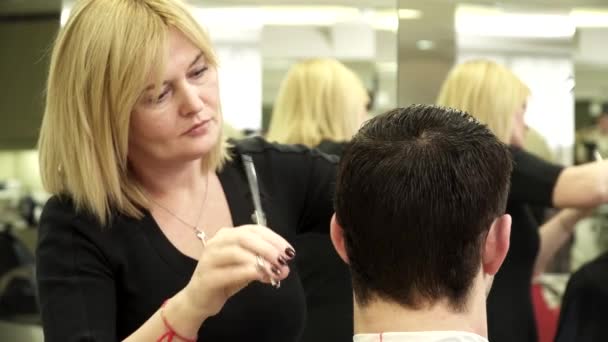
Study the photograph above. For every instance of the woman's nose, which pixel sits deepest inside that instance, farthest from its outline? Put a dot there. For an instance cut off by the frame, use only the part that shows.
(192, 103)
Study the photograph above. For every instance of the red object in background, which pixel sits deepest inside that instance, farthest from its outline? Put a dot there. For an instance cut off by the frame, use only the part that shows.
(546, 317)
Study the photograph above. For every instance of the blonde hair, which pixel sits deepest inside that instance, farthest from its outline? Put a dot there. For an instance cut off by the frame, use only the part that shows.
(100, 64)
(488, 91)
(318, 99)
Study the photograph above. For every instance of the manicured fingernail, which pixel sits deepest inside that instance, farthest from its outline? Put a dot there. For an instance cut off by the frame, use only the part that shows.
(282, 261)
(290, 252)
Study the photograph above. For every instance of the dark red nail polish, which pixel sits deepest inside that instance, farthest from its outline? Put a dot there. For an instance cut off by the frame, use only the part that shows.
(290, 252)
(282, 261)
(275, 271)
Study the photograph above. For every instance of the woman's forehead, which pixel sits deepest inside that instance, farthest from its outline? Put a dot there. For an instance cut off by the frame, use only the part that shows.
(180, 54)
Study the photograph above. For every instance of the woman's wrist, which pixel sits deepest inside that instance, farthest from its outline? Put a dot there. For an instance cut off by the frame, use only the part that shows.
(182, 315)
(570, 218)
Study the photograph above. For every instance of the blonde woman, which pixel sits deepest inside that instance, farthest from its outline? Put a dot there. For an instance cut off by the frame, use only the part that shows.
(321, 103)
(497, 97)
(150, 234)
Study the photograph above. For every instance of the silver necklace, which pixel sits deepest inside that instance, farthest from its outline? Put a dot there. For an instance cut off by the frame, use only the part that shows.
(200, 234)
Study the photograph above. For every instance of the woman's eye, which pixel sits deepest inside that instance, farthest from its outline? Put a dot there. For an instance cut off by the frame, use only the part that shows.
(162, 96)
(199, 72)
(152, 100)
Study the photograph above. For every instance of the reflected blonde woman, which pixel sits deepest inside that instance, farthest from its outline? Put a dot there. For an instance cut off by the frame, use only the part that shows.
(321, 103)
(492, 93)
(497, 97)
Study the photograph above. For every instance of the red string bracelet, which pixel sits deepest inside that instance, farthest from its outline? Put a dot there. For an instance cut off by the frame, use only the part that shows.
(171, 333)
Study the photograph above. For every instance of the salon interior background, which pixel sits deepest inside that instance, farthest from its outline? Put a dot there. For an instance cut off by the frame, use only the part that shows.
(401, 49)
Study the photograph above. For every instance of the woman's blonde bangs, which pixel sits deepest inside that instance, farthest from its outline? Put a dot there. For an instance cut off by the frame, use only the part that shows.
(101, 62)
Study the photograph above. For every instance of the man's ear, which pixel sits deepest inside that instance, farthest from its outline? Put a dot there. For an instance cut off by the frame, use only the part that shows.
(496, 246)
(337, 238)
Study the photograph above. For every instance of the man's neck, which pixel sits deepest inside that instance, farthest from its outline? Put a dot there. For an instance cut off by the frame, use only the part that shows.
(382, 316)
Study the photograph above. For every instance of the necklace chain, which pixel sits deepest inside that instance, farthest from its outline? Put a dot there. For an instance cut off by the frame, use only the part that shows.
(199, 233)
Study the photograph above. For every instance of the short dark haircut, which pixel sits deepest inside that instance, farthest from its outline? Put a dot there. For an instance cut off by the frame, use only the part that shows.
(417, 191)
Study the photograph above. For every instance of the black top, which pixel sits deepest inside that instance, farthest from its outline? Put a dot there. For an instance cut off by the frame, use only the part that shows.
(584, 311)
(327, 285)
(510, 311)
(102, 283)
(326, 281)
(331, 147)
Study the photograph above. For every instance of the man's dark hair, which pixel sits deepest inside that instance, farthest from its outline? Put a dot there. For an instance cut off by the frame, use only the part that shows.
(417, 191)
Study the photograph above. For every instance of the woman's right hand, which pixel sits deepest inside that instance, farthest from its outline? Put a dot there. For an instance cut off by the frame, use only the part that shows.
(229, 262)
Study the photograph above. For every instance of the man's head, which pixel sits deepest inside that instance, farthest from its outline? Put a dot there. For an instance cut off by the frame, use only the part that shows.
(420, 201)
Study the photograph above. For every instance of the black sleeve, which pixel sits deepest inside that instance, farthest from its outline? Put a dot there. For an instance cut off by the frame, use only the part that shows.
(75, 283)
(320, 187)
(533, 179)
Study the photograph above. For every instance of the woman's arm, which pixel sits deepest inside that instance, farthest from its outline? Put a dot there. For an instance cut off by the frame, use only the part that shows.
(74, 279)
(537, 182)
(554, 233)
(179, 313)
(582, 186)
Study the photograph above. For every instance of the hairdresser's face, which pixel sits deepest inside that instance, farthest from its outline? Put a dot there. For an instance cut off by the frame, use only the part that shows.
(518, 132)
(180, 120)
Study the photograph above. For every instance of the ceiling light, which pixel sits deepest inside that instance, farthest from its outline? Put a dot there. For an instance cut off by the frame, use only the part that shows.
(589, 17)
(425, 44)
(290, 16)
(276, 15)
(383, 20)
(471, 20)
(408, 13)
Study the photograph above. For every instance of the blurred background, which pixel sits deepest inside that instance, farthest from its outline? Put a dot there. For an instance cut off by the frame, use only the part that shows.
(402, 50)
